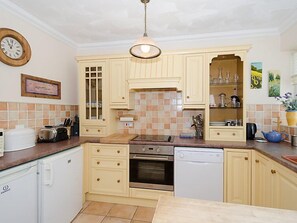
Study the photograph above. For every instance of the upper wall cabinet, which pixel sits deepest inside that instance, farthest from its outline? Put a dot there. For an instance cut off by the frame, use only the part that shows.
(194, 82)
(165, 71)
(120, 97)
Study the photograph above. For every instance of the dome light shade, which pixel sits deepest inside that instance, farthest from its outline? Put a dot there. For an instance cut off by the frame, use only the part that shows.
(145, 47)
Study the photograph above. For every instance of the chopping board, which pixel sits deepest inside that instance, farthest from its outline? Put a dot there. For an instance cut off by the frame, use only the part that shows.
(118, 138)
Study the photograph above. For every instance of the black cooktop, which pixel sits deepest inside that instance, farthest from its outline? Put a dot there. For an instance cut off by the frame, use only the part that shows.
(154, 138)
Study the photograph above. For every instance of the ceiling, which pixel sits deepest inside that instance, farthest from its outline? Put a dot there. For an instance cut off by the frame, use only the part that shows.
(84, 22)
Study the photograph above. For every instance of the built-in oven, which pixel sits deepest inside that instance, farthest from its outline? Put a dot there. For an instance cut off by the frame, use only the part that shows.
(151, 166)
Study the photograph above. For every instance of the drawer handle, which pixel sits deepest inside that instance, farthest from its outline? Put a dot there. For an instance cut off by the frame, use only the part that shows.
(273, 171)
(246, 158)
(123, 97)
(233, 134)
(257, 161)
(98, 130)
(103, 120)
(118, 164)
(87, 130)
(218, 133)
(98, 179)
(188, 96)
(118, 181)
(118, 151)
(98, 162)
(98, 150)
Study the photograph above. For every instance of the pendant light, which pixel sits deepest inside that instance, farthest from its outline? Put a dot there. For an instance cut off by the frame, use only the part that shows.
(145, 47)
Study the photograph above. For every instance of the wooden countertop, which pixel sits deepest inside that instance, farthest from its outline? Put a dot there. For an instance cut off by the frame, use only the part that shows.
(184, 210)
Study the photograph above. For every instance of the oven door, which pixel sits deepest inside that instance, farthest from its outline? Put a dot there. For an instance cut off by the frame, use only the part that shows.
(151, 171)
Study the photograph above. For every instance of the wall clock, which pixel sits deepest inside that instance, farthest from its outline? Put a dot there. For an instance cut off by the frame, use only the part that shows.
(15, 49)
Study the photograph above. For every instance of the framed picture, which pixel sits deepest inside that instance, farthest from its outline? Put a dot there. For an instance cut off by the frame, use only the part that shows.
(256, 75)
(274, 83)
(40, 87)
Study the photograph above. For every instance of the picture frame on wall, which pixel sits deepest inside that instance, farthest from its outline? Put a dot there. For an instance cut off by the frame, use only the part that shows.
(274, 80)
(256, 75)
(38, 87)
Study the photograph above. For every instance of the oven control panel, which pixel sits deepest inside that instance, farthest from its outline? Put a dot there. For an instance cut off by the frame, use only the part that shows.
(152, 149)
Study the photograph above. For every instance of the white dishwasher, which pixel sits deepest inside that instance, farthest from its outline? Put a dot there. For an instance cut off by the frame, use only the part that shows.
(198, 173)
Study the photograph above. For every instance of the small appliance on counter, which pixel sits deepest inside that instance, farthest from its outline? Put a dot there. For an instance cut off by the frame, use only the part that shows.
(1, 142)
(19, 138)
(251, 129)
(52, 134)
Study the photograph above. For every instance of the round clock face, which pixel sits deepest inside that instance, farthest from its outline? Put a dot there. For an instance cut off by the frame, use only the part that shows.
(11, 47)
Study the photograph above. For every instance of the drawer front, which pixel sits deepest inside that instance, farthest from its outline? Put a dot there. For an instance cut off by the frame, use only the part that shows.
(89, 130)
(226, 134)
(148, 194)
(110, 150)
(108, 163)
(109, 182)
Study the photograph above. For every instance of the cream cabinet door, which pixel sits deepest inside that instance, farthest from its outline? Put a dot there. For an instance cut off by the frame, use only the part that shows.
(237, 177)
(194, 82)
(120, 97)
(284, 187)
(262, 180)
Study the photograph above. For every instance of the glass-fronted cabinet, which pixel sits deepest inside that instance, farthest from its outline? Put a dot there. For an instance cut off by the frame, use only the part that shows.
(226, 105)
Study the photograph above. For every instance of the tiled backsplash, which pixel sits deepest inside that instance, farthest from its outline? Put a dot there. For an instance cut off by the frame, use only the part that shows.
(159, 113)
(34, 115)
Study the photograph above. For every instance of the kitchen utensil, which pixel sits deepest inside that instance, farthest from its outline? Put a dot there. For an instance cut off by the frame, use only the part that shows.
(251, 129)
(274, 136)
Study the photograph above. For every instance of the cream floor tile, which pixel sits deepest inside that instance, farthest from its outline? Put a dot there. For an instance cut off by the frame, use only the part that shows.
(144, 214)
(85, 205)
(88, 218)
(136, 221)
(115, 220)
(122, 211)
(98, 208)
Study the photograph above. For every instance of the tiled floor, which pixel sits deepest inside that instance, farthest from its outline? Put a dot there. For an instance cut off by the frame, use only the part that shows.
(101, 212)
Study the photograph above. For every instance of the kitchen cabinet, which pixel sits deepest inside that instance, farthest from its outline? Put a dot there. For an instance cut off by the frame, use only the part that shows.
(237, 176)
(120, 96)
(225, 108)
(108, 169)
(96, 119)
(273, 184)
(194, 82)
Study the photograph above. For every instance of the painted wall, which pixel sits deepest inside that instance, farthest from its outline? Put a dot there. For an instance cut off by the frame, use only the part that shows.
(51, 59)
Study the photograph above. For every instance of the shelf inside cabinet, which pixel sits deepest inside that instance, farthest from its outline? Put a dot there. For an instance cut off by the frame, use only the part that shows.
(231, 84)
(225, 107)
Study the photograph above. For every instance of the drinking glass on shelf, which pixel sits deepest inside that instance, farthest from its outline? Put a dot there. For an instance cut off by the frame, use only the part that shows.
(236, 78)
(227, 78)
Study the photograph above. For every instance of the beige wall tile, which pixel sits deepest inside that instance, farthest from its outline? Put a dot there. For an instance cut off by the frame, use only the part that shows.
(13, 106)
(3, 106)
(3, 115)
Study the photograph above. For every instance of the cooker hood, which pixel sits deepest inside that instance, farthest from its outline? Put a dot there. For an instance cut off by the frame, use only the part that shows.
(155, 83)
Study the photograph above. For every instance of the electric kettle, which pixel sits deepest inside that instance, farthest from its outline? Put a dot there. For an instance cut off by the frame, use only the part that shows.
(251, 129)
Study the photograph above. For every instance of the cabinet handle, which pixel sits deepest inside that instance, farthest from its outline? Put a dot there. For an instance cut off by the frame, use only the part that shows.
(98, 130)
(218, 133)
(257, 161)
(98, 162)
(118, 181)
(118, 151)
(103, 119)
(188, 96)
(233, 134)
(246, 158)
(118, 164)
(123, 97)
(98, 150)
(98, 179)
(87, 130)
(273, 171)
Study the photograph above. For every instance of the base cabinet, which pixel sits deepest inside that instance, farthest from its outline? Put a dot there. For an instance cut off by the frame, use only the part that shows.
(237, 180)
(108, 164)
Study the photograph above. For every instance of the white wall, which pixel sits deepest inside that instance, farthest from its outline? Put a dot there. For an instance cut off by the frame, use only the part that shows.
(50, 59)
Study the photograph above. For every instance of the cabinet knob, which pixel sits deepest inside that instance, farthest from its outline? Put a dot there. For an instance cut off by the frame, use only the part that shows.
(103, 119)
(234, 134)
(218, 133)
(188, 96)
(118, 151)
(246, 158)
(98, 179)
(118, 164)
(98, 130)
(123, 97)
(118, 181)
(273, 171)
(257, 161)
(98, 150)
(87, 130)
(98, 162)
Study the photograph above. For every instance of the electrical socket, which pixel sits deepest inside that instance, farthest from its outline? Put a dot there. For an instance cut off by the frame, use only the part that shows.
(129, 124)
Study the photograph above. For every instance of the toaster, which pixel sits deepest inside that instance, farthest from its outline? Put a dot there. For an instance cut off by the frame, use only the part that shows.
(52, 134)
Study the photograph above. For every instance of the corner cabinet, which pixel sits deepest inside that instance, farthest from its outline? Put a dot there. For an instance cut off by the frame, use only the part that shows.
(94, 98)
(237, 176)
(194, 82)
(225, 108)
(120, 96)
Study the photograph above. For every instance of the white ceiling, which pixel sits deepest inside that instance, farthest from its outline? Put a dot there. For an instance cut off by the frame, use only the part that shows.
(85, 22)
